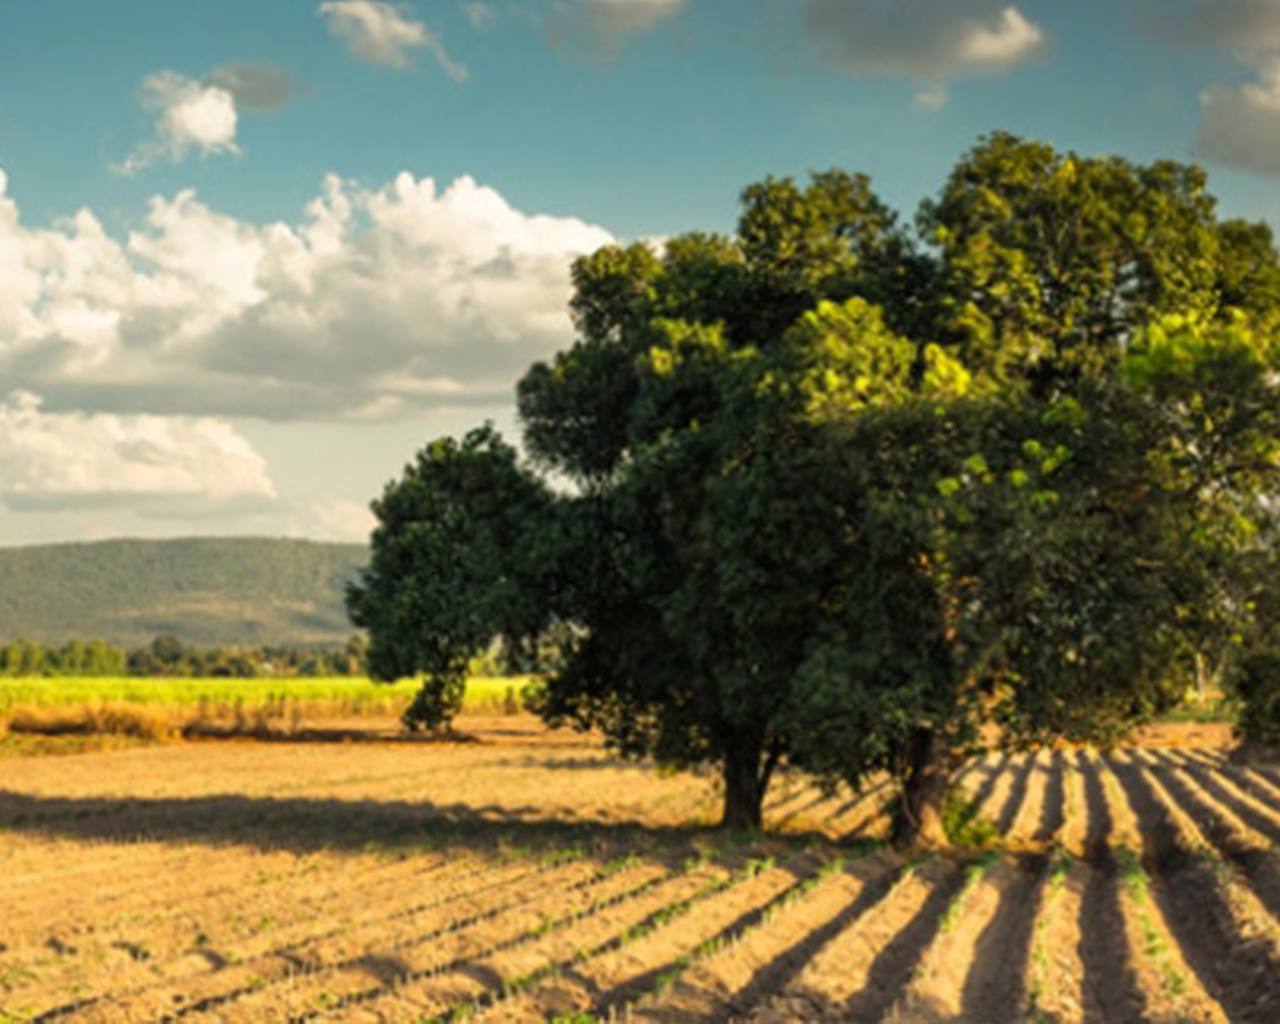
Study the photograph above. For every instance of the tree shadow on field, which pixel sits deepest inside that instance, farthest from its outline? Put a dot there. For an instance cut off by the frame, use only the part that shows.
(306, 825)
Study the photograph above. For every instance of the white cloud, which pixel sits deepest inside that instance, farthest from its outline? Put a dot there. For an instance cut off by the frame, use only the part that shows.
(51, 460)
(379, 304)
(1239, 126)
(189, 115)
(202, 116)
(340, 521)
(383, 33)
(927, 39)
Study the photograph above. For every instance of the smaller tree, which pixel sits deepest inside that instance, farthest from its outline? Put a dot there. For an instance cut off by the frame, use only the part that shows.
(461, 553)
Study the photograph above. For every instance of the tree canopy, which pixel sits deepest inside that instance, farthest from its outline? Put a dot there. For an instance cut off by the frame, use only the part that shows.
(847, 490)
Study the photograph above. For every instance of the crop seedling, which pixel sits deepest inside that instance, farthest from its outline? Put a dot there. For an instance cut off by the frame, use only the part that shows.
(973, 876)
(965, 828)
(1154, 944)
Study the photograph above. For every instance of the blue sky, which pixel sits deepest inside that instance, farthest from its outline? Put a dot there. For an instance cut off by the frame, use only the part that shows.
(253, 255)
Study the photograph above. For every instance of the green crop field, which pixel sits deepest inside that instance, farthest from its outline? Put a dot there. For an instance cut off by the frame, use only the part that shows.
(163, 708)
(352, 693)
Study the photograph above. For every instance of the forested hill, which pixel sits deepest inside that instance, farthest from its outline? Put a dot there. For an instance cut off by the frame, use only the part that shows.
(203, 591)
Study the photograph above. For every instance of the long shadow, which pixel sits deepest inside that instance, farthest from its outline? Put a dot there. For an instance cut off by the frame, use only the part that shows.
(994, 987)
(861, 796)
(983, 793)
(774, 977)
(1257, 864)
(893, 967)
(1053, 812)
(308, 825)
(1238, 972)
(1251, 816)
(585, 764)
(617, 999)
(1017, 795)
(1109, 977)
(213, 733)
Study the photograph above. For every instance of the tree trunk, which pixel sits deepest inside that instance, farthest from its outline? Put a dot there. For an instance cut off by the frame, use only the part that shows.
(921, 821)
(745, 784)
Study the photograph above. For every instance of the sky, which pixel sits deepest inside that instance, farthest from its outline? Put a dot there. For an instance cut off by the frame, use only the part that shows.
(254, 255)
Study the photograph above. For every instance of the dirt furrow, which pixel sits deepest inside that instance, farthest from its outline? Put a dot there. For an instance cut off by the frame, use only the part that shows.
(1261, 816)
(478, 981)
(1025, 825)
(679, 956)
(1263, 788)
(1074, 832)
(764, 962)
(1053, 980)
(1112, 992)
(1173, 990)
(1020, 770)
(1212, 971)
(1053, 808)
(1214, 817)
(1259, 866)
(414, 962)
(364, 950)
(217, 925)
(863, 815)
(259, 945)
(993, 796)
(974, 969)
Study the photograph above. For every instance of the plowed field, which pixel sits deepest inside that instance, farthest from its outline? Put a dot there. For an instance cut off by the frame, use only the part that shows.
(530, 877)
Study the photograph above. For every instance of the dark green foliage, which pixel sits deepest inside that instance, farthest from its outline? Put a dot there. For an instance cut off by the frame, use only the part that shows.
(1049, 260)
(464, 550)
(847, 497)
(1253, 661)
(220, 591)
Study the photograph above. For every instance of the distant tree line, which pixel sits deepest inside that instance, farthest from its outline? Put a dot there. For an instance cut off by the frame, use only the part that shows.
(167, 656)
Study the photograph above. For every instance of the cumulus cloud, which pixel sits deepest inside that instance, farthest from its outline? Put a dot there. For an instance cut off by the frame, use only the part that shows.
(379, 304)
(933, 40)
(189, 116)
(1240, 125)
(202, 116)
(52, 460)
(383, 33)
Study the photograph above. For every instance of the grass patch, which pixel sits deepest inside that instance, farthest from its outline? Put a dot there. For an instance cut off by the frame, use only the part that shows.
(973, 875)
(965, 827)
(1218, 710)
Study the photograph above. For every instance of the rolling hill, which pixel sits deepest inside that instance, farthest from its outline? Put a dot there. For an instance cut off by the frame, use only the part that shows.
(203, 591)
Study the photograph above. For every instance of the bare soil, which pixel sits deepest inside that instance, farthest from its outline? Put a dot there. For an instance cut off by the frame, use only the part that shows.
(513, 874)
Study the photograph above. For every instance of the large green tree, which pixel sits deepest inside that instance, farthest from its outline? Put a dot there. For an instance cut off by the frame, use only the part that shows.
(843, 492)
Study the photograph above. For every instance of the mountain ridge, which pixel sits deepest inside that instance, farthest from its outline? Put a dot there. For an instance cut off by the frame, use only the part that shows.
(203, 590)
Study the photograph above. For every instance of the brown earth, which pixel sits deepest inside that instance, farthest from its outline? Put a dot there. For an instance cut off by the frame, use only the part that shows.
(520, 875)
